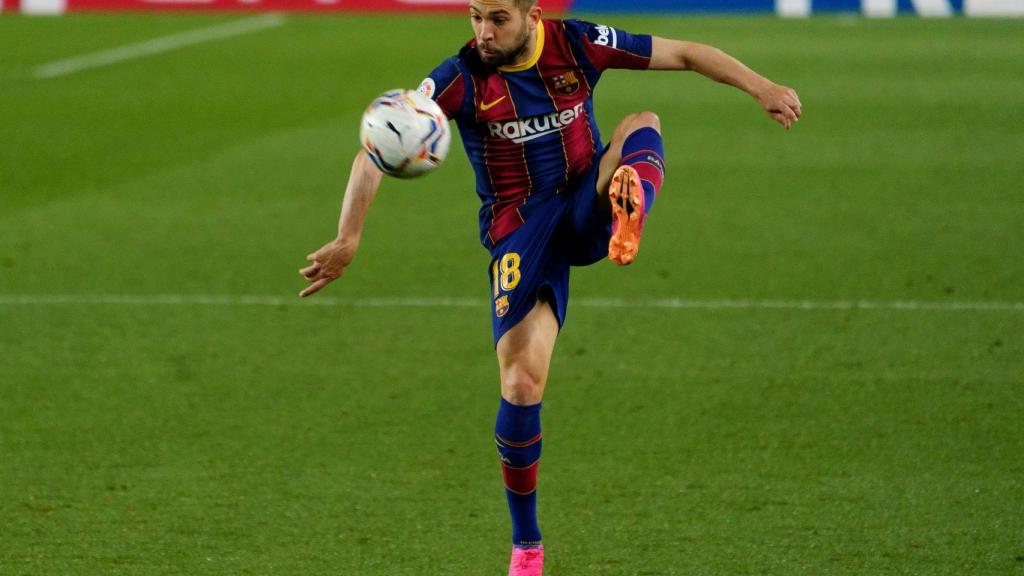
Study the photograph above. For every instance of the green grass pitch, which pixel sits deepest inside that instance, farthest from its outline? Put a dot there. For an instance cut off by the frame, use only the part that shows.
(297, 439)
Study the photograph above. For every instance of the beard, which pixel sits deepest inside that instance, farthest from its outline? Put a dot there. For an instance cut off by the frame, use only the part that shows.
(497, 57)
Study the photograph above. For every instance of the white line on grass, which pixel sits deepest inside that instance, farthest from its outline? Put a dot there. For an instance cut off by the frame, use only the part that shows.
(158, 45)
(437, 302)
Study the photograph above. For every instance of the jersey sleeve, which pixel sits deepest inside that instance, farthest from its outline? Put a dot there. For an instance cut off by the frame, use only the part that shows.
(607, 47)
(445, 85)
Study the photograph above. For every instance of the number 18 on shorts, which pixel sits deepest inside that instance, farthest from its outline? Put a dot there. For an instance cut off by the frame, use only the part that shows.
(505, 276)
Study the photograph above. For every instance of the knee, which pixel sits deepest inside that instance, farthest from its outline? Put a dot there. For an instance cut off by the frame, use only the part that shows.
(646, 119)
(520, 387)
(636, 121)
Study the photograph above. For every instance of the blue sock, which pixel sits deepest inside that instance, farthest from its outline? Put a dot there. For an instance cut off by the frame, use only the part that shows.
(517, 434)
(645, 152)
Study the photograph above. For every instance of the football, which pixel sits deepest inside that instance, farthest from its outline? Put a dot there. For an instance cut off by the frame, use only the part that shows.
(405, 133)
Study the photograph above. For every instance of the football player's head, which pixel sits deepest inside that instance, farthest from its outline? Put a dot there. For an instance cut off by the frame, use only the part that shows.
(502, 28)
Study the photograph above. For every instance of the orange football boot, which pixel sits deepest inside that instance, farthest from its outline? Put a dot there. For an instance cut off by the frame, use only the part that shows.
(627, 198)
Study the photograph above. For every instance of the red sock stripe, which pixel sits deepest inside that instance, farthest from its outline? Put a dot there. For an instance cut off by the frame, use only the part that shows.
(520, 481)
(649, 172)
(512, 444)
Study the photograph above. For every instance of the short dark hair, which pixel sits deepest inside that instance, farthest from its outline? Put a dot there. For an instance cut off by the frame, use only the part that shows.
(525, 5)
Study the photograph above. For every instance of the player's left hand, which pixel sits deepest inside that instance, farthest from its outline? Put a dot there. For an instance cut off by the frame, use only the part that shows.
(781, 103)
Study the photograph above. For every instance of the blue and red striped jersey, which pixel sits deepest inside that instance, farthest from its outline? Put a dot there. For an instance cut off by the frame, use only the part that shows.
(529, 130)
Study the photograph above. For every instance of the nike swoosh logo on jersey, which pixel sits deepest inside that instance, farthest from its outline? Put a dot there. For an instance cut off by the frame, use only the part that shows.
(485, 106)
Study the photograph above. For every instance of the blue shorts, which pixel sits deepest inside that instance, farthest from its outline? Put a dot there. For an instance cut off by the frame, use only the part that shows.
(562, 230)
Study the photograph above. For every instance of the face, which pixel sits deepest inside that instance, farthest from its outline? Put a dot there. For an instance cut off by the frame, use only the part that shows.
(501, 29)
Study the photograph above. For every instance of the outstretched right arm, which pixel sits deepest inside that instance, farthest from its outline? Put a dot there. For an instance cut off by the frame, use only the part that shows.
(329, 262)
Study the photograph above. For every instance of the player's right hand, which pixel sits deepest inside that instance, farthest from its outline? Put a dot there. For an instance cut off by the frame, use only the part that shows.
(781, 103)
(328, 264)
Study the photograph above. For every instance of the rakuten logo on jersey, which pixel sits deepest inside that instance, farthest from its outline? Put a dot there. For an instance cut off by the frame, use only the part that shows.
(527, 129)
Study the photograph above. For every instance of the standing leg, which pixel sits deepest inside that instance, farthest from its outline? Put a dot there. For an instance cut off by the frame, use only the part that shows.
(631, 175)
(524, 356)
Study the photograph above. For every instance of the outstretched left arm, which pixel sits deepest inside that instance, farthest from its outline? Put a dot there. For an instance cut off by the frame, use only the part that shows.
(780, 102)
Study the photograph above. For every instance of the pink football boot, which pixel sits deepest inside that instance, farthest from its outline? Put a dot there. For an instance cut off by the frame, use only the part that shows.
(526, 562)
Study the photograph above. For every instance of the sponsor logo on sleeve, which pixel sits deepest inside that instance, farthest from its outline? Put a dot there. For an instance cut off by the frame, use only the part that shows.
(427, 87)
(606, 36)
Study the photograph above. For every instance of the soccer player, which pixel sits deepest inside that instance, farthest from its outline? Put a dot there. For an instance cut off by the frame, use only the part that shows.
(554, 195)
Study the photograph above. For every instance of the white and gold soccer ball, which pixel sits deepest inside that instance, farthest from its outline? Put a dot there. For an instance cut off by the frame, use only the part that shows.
(405, 133)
